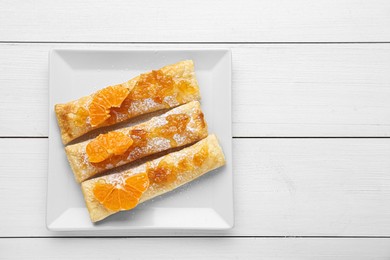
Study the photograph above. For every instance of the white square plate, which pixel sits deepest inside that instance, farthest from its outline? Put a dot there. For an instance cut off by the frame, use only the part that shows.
(206, 203)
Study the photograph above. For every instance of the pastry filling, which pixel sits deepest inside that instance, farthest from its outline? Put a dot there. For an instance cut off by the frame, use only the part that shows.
(176, 124)
(113, 103)
(157, 85)
(166, 173)
(125, 193)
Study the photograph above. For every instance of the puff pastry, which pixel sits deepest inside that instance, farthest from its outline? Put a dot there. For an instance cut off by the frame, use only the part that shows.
(185, 166)
(178, 127)
(167, 87)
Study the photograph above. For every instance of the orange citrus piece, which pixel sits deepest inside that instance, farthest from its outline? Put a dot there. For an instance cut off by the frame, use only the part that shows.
(106, 145)
(121, 196)
(104, 100)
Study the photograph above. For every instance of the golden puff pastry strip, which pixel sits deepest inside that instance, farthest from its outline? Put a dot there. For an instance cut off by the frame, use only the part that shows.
(167, 87)
(163, 175)
(178, 127)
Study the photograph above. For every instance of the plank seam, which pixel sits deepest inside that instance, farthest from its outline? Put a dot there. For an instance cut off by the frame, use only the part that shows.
(202, 237)
(195, 43)
(311, 137)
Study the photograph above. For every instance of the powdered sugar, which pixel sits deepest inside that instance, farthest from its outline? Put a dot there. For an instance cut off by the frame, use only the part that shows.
(119, 116)
(153, 145)
(115, 179)
(171, 101)
(158, 121)
(161, 143)
(141, 106)
(191, 126)
(180, 139)
(118, 179)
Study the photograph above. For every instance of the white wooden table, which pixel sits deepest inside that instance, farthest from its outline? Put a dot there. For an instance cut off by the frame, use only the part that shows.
(311, 123)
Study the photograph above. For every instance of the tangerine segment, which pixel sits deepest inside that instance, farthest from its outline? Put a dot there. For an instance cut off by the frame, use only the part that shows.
(122, 196)
(104, 100)
(106, 145)
(137, 184)
(102, 190)
(112, 201)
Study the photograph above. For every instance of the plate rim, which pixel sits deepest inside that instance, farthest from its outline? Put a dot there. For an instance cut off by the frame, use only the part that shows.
(226, 51)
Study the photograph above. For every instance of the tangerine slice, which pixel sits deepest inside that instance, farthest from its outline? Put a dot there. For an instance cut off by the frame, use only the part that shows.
(106, 145)
(121, 196)
(104, 100)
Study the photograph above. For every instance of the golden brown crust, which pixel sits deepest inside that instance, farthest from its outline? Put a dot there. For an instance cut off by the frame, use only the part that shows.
(66, 113)
(214, 160)
(61, 111)
(194, 130)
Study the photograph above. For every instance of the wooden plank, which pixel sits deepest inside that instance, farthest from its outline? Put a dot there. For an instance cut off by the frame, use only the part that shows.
(194, 21)
(189, 248)
(283, 187)
(24, 90)
(311, 90)
(278, 90)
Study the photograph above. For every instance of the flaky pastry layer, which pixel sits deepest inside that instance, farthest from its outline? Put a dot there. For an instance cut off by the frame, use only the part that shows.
(195, 129)
(214, 159)
(68, 114)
